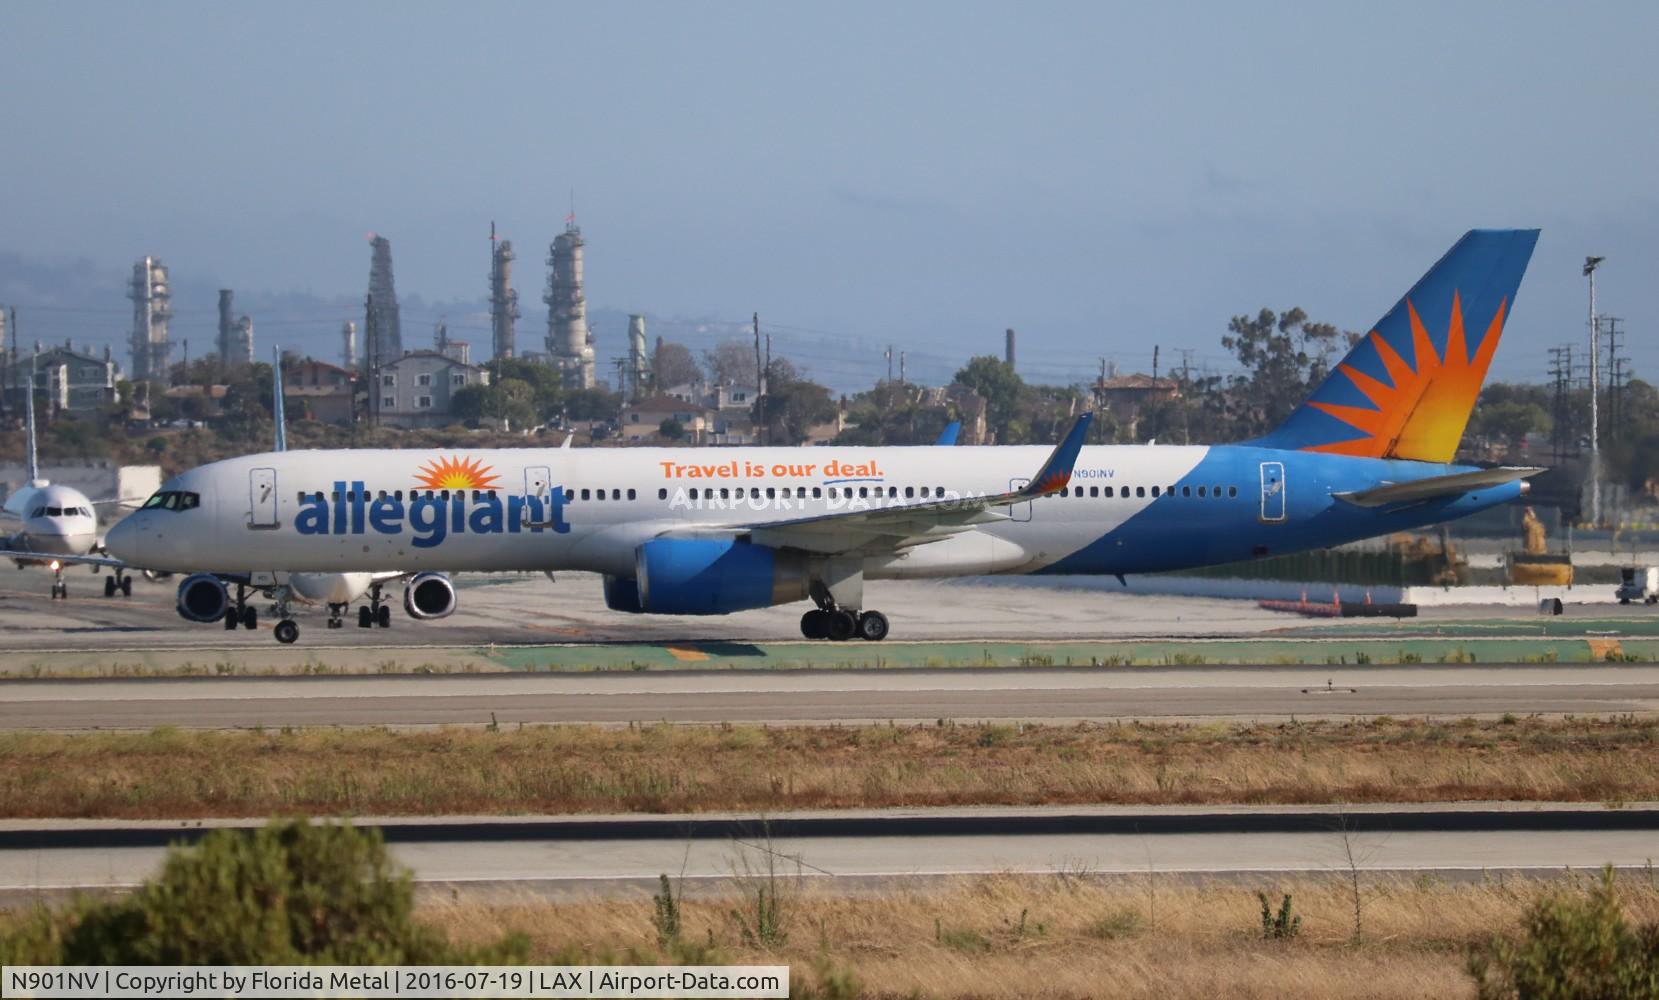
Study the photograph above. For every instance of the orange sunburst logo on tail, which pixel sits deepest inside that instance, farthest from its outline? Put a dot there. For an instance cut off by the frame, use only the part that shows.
(456, 474)
(1423, 413)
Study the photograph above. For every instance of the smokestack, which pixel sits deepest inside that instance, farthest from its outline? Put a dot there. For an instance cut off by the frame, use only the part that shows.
(383, 325)
(503, 299)
(638, 370)
(1008, 349)
(348, 345)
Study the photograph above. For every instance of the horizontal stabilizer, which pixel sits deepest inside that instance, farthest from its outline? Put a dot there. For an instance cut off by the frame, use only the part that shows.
(1435, 486)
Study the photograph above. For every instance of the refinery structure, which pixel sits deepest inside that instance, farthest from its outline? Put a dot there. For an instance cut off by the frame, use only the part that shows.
(569, 343)
(152, 308)
(378, 340)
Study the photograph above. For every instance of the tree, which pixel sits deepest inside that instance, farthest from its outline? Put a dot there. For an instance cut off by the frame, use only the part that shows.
(671, 429)
(1286, 357)
(592, 404)
(508, 402)
(290, 893)
(674, 365)
(732, 362)
(995, 380)
(792, 405)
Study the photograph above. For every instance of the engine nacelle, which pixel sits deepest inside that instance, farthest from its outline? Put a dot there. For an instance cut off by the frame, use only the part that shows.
(428, 596)
(203, 598)
(622, 594)
(697, 576)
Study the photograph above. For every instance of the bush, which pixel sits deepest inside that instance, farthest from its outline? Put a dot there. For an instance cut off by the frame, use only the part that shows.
(288, 894)
(1280, 926)
(1571, 946)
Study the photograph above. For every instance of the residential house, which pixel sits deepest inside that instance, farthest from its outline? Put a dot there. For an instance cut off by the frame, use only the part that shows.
(415, 390)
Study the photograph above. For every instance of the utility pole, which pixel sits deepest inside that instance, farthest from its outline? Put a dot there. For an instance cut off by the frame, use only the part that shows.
(901, 367)
(1615, 377)
(1561, 371)
(1590, 264)
(760, 385)
(889, 355)
(1154, 362)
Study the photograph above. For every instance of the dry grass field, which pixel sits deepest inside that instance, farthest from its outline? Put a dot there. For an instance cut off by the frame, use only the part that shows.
(169, 773)
(1059, 937)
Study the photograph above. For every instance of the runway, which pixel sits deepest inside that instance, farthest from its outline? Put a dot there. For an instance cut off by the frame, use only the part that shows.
(1055, 695)
(606, 853)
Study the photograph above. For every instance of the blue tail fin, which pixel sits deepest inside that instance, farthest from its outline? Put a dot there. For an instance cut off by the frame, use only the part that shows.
(1406, 390)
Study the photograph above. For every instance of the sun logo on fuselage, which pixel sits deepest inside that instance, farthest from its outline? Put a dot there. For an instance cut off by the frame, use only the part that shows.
(456, 474)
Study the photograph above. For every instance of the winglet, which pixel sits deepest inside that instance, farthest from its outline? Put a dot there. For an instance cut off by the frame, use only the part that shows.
(29, 418)
(947, 437)
(1055, 474)
(279, 416)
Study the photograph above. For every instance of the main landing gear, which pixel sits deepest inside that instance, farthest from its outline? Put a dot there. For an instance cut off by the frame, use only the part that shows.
(841, 624)
(377, 613)
(118, 582)
(241, 615)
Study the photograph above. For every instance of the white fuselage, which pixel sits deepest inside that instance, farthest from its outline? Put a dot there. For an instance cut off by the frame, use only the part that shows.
(326, 512)
(51, 520)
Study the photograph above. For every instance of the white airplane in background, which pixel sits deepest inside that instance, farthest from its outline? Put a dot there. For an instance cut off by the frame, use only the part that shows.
(702, 531)
(54, 526)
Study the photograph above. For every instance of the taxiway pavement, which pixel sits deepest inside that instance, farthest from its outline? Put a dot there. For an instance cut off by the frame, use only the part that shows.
(1262, 693)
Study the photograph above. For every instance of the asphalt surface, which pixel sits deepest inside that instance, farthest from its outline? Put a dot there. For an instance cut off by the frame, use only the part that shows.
(832, 696)
(609, 852)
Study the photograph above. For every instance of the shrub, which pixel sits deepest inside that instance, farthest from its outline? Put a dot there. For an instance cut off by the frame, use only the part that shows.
(289, 893)
(1280, 926)
(1571, 946)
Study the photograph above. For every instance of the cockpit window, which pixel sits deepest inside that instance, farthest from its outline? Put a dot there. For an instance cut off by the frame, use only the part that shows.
(38, 512)
(54, 512)
(173, 500)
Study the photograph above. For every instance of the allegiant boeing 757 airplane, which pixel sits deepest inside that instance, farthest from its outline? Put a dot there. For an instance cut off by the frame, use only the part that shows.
(704, 531)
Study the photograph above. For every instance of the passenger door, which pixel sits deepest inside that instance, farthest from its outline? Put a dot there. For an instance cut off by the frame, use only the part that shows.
(1273, 492)
(262, 498)
(1019, 511)
(538, 483)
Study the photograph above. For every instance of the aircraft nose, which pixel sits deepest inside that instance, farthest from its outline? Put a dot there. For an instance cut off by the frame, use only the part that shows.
(125, 539)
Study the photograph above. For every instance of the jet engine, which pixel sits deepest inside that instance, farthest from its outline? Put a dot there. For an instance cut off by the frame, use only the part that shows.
(714, 576)
(428, 596)
(203, 598)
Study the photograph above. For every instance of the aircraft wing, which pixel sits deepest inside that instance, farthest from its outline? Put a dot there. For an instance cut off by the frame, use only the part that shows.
(1435, 486)
(7, 551)
(887, 529)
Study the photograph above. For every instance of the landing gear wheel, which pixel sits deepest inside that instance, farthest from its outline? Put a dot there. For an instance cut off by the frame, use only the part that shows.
(814, 624)
(383, 616)
(250, 619)
(109, 586)
(231, 620)
(60, 591)
(365, 617)
(126, 586)
(840, 626)
(872, 626)
(286, 631)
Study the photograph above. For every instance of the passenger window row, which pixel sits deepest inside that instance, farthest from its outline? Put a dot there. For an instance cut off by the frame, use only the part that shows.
(1213, 492)
(802, 492)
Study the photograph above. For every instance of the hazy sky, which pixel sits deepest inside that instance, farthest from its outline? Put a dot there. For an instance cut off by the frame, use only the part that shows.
(1101, 177)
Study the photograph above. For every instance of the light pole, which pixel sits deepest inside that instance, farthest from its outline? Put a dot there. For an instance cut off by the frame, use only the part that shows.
(1590, 264)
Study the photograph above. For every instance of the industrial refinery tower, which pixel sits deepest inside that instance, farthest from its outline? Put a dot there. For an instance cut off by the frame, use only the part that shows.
(152, 307)
(569, 344)
(235, 344)
(382, 332)
(503, 299)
